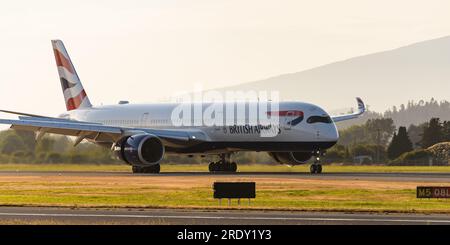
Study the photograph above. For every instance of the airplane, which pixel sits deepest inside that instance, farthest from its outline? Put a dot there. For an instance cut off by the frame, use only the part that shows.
(141, 134)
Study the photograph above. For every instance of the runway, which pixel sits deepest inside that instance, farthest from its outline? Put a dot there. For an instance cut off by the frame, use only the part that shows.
(35, 215)
(420, 177)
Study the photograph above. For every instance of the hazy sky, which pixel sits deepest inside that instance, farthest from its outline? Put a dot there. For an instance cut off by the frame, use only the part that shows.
(143, 51)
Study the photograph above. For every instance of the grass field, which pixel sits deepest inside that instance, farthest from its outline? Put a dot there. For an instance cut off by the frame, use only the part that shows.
(204, 168)
(288, 193)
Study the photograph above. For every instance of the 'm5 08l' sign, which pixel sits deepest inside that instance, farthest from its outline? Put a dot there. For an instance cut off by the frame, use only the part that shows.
(433, 192)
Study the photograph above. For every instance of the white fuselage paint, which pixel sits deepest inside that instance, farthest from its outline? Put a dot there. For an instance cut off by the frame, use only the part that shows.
(159, 115)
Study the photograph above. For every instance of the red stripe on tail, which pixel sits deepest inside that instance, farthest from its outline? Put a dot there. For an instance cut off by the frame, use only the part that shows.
(75, 102)
(61, 60)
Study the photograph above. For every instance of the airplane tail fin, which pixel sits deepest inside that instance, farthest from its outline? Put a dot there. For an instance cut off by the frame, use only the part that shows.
(74, 93)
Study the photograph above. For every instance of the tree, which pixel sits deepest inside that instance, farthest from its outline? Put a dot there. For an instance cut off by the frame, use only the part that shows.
(380, 130)
(404, 143)
(11, 142)
(446, 131)
(400, 144)
(375, 131)
(45, 145)
(28, 138)
(432, 133)
(415, 134)
(392, 148)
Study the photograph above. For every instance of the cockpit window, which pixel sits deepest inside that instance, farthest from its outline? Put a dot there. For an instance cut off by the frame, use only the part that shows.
(317, 119)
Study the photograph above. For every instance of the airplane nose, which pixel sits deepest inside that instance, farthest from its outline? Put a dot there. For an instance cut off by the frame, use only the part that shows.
(333, 133)
(336, 134)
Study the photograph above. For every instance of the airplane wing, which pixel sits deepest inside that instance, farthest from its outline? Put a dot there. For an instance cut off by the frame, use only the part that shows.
(24, 114)
(361, 110)
(101, 133)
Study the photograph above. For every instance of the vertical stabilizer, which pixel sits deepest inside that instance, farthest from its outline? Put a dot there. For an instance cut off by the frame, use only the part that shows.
(74, 93)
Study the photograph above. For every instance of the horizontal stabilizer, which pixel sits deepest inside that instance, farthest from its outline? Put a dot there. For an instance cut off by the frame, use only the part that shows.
(23, 114)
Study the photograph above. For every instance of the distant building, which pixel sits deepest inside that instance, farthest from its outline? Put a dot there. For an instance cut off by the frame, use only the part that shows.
(362, 159)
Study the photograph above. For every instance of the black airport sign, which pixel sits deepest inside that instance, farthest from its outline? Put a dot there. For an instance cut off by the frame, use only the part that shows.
(433, 192)
(234, 189)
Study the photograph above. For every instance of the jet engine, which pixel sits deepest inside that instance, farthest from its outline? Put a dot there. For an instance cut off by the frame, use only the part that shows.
(291, 158)
(140, 149)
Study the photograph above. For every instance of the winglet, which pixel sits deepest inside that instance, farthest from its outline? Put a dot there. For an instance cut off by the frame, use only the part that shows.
(361, 110)
(361, 106)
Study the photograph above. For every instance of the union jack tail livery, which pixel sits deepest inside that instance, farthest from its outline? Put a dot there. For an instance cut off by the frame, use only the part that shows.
(74, 93)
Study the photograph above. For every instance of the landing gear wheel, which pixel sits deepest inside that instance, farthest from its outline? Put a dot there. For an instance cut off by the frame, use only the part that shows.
(224, 165)
(136, 169)
(214, 167)
(316, 167)
(233, 167)
(154, 169)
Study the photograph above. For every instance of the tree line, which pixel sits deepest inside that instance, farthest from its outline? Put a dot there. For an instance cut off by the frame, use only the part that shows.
(414, 112)
(18, 146)
(378, 141)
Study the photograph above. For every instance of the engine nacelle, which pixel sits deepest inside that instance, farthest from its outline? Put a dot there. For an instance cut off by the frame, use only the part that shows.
(140, 149)
(291, 158)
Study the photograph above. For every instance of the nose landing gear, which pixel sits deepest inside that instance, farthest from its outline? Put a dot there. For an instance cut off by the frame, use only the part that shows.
(223, 165)
(316, 167)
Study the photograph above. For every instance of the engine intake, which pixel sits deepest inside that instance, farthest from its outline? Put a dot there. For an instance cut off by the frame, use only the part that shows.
(140, 149)
(291, 158)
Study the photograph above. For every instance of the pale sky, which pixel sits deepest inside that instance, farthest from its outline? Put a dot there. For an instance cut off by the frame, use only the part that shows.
(143, 51)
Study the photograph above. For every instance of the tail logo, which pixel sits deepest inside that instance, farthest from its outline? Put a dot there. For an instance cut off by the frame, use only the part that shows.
(74, 93)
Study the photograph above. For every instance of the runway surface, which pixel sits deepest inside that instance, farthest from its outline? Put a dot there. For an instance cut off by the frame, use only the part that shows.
(420, 177)
(34, 215)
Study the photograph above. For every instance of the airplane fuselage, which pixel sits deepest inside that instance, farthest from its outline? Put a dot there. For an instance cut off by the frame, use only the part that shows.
(295, 129)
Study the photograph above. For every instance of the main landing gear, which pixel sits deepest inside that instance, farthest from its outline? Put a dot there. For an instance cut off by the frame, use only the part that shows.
(316, 167)
(223, 165)
(153, 169)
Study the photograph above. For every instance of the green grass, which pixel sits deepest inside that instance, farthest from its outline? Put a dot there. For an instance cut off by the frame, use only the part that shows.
(195, 191)
(204, 168)
(330, 199)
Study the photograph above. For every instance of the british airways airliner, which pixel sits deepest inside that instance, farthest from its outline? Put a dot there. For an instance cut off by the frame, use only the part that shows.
(141, 134)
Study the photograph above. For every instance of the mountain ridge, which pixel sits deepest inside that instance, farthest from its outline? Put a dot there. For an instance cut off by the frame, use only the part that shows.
(413, 72)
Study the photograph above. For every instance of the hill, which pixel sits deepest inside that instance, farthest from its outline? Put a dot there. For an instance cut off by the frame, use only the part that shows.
(414, 72)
